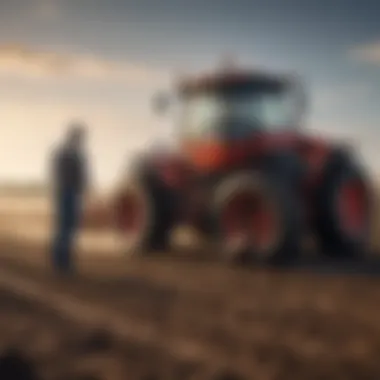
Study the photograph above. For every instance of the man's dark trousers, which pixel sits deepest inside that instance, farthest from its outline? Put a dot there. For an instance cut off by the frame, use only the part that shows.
(66, 224)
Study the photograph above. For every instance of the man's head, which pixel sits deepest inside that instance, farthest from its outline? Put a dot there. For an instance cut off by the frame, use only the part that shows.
(76, 134)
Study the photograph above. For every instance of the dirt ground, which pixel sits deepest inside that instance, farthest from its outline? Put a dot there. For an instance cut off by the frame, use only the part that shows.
(38, 344)
(236, 323)
(260, 324)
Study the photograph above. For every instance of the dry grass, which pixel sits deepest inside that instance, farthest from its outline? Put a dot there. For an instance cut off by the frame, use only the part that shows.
(97, 216)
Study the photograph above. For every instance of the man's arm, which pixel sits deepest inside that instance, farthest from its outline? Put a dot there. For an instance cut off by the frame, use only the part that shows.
(83, 175)
(54, 168)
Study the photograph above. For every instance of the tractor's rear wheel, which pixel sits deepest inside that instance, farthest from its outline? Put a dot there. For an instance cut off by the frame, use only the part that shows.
(343, 209)
(144, 217)
(256, 220)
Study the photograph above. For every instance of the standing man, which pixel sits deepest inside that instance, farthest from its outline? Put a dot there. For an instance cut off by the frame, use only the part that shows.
(70, 183)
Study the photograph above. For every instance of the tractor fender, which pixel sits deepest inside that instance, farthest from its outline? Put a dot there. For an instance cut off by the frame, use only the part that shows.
(340, 155)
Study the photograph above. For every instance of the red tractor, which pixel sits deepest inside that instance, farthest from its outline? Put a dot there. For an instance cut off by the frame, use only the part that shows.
(247, 176)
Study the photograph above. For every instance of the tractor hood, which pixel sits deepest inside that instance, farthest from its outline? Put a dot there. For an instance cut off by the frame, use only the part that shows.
(178, 168)
(217, 155)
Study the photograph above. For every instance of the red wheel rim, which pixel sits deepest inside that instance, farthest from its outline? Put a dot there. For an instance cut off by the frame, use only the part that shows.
(130, 214)
(353, 207)
(251, 217)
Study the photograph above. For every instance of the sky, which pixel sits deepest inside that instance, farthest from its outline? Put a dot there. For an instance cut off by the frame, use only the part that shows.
(101, 61)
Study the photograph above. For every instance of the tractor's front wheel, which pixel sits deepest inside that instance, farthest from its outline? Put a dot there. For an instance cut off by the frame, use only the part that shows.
(144, 217)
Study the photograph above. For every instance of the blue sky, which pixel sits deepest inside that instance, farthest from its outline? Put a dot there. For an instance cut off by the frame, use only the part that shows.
(115, 54)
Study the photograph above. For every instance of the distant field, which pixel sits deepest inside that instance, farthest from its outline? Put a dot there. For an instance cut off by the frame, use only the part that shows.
(23, 189)
(22, 211)
(29, 218)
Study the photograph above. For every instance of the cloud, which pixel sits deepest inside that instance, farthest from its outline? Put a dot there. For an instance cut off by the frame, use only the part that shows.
(337, 98)
(369, 53)
(47, 10)
(24, 61)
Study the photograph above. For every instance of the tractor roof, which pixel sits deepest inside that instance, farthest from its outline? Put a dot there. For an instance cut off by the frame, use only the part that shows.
(226, 78)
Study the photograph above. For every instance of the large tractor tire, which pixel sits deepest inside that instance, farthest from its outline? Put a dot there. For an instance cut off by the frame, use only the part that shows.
(144, 216)
(256, 219)
(343, 208)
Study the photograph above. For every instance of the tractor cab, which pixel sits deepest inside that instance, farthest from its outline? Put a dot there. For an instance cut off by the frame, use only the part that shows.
(221, 115)
(234, 106)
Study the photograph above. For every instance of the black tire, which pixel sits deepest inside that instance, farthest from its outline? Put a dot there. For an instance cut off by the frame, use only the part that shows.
(159, 216)
(286, 246)
(336, 241)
